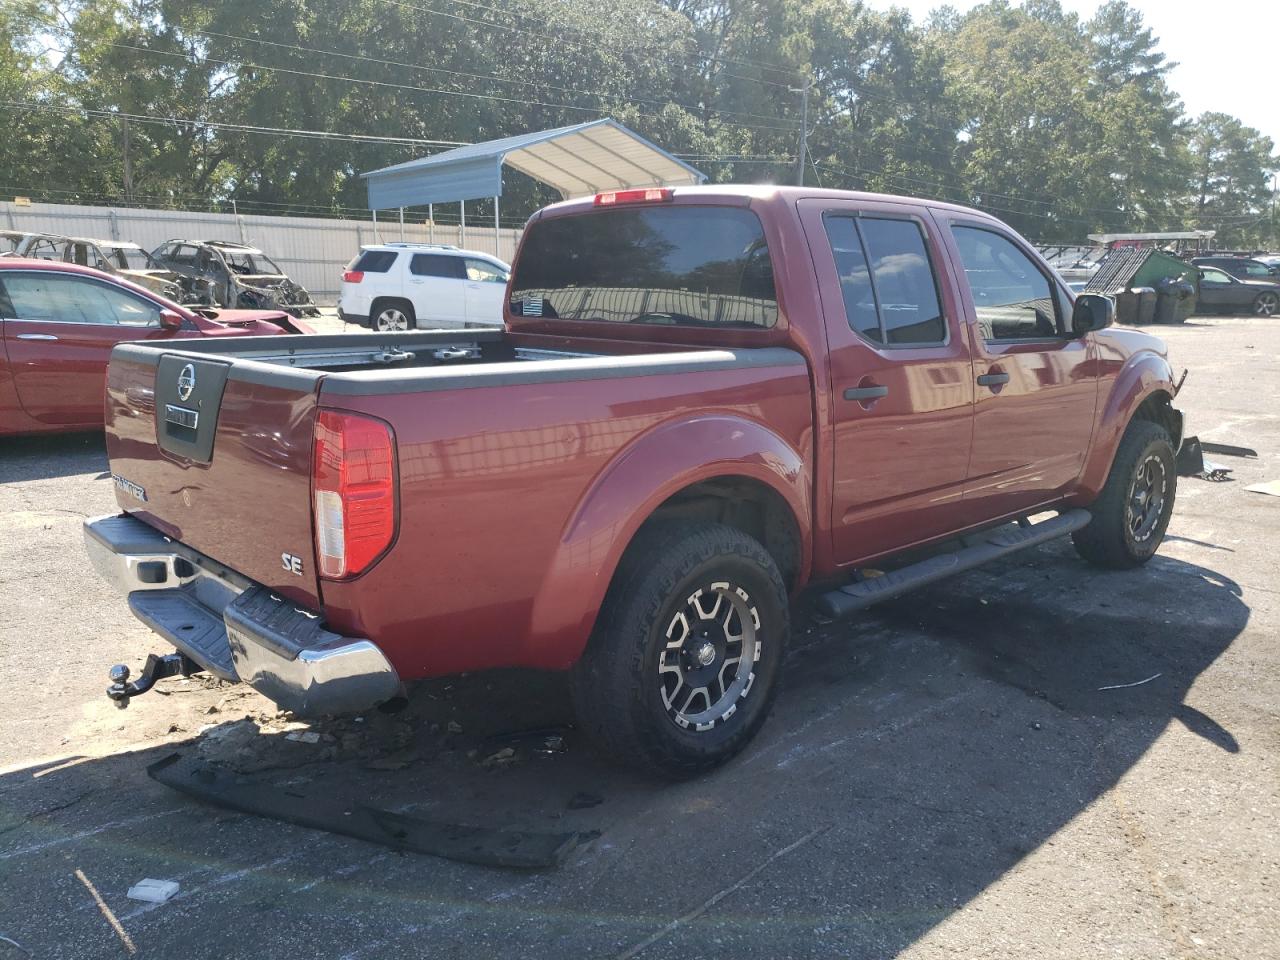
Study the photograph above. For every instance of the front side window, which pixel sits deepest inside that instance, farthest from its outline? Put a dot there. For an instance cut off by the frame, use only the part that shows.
(670, 265)
(46, 250)
(54, 298)
(1012, 299)
(436, 265)
(1214, 276)
(890, 295)
(482, 271)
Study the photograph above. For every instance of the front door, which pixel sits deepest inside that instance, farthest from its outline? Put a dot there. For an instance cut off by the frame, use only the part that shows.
(59, 330)
(1218, 290)
(486, 291)
(901, 375)
(1036, 383)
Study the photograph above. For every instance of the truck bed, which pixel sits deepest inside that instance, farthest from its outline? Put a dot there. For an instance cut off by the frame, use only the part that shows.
(500, 440)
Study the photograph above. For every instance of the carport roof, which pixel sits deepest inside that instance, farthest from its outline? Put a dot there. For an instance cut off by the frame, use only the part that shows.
(582, 159)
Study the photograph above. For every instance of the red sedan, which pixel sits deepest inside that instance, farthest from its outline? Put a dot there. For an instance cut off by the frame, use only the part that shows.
(58, 323)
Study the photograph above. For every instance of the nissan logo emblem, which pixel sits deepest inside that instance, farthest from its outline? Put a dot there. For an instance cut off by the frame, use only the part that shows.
(186, 382)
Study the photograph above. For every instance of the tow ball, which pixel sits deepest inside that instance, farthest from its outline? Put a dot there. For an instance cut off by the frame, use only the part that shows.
(156, 668)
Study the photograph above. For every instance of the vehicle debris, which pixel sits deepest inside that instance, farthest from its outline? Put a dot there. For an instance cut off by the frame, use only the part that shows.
(153, 891)
(486, 846)
(1271, 488)
(1125, 686)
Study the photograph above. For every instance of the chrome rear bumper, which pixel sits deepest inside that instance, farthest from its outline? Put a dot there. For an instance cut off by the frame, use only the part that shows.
(235, 628)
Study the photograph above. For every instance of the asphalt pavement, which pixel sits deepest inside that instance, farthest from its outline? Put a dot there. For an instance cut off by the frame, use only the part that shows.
(1037, 759)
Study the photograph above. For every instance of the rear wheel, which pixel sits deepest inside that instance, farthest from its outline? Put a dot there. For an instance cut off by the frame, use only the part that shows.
(1132, 513)
(392, 315)
(1266, 304)
(682, 668)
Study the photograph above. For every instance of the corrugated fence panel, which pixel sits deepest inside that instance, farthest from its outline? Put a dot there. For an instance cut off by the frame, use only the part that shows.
(312, 250)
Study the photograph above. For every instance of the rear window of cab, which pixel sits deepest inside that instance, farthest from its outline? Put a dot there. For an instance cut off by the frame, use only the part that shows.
(678, 266)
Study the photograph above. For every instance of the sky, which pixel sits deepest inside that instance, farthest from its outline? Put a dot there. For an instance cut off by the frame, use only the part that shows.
(1227, 51)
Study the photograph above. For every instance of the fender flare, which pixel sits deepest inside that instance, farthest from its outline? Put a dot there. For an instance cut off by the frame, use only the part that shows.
(1144, 375)
(654, 466)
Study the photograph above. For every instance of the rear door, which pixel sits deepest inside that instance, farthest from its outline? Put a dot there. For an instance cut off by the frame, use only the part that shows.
(59, 330)
(437, 288)
(485, 291)
(901, 375)
(1036, 383)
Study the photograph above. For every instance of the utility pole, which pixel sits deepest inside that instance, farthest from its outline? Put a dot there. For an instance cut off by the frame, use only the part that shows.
(804, 127)
(128, 161)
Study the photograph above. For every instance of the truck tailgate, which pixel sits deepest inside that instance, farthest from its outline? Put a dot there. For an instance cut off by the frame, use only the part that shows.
(217, 454)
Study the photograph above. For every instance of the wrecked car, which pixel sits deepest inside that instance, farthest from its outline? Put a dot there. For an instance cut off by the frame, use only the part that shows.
(125, 259)
(239, 276)
(35, 246)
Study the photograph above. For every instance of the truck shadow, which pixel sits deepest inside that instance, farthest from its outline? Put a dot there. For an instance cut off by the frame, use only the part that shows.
(914, 757)
(47, 457)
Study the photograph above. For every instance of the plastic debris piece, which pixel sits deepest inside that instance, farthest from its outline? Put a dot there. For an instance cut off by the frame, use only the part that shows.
(303, 736)
(153, 891)
(1136, 683)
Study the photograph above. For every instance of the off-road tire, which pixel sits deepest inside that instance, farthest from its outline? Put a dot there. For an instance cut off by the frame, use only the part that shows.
(620, 684)
(1109, 539)
(404, 307)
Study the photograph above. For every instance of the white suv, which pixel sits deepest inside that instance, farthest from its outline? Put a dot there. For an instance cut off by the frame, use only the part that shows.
(402, 286)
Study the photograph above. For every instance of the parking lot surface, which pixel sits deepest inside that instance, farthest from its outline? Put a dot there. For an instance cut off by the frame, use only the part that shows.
(1035, 759)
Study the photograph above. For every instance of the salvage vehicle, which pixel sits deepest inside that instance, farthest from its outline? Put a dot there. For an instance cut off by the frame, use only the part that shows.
(39, 246)
(128, 260)
(404, 286)
(10, 241)
(1222, 293)
(704, 399)
(59, 322)
(237, 276)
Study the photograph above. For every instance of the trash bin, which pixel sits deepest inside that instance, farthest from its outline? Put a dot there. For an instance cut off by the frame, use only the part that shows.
(1126, 306)
(1146, 308)
(1175, 299)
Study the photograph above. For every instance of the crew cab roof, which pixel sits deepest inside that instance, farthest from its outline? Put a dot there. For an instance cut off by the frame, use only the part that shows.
(747, 193)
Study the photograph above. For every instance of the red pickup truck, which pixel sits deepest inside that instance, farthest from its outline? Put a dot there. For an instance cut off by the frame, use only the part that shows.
(58, 323)
(704, 399)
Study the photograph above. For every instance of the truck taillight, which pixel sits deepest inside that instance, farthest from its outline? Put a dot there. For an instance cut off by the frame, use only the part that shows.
(353, 276)
(647, 195)
(353, 482)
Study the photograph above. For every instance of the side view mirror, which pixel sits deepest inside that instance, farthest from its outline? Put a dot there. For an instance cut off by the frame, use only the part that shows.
(1092, 312)
(170, 320)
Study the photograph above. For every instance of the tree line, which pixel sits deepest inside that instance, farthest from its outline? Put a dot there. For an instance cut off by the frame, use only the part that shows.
(1060, 125)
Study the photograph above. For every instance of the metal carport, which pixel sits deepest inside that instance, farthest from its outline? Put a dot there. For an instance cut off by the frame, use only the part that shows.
(582, 159)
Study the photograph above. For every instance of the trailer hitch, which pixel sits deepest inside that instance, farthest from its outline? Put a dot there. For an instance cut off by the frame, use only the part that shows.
(156, 668)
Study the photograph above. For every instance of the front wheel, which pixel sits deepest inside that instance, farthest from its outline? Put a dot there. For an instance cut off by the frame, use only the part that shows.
(682, 667)
(1266, 304)
(1132, 513)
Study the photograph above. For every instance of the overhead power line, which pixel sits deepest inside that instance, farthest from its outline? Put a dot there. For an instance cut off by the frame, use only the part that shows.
(237, 127)
(398, 86)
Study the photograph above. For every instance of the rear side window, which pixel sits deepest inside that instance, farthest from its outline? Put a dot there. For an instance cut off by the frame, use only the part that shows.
(1012, 299)
(436, 265)
(678, 266)
(374, 261)
(886, 279)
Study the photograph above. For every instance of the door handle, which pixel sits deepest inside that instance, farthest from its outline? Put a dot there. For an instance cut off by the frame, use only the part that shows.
(36, 336)
(866, 393)
(992, 379)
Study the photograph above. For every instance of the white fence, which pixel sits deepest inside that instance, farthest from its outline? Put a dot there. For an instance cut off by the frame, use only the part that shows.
(311, 250)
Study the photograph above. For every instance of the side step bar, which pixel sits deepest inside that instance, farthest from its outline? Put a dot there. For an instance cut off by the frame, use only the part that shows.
(978, 549)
